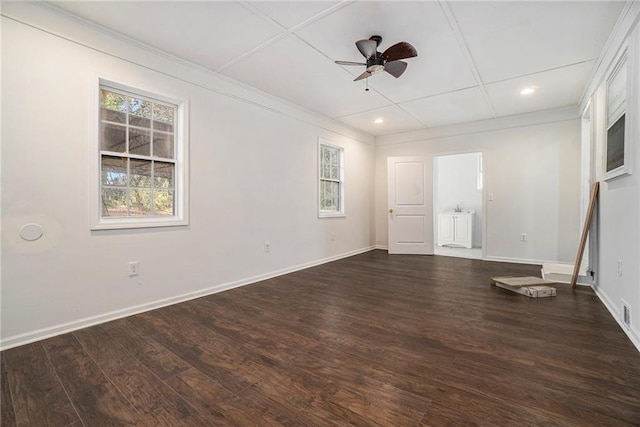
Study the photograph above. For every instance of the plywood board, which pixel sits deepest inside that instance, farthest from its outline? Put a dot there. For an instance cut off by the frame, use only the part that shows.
(531, 291)
(585, 232)
(518, 282)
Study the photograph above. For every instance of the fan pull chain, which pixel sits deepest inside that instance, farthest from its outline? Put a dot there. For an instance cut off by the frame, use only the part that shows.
(367, 81)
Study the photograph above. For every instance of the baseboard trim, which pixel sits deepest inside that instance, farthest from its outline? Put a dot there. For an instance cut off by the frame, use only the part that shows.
(383, 247)
(634, 335)
(40, 334)
(515, 260)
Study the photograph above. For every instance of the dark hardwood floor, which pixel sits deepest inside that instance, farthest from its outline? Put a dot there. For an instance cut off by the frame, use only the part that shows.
(369, 340)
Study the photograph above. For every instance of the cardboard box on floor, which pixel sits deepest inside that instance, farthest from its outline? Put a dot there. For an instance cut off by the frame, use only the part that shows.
(529, 286)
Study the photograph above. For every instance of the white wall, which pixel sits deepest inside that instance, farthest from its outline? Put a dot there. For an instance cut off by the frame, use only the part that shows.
(253, 179)
(456, 183)
(533, 172)
(618, 215)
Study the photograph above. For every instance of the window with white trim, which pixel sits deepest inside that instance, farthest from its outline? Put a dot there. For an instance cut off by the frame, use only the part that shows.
(142, 150)
(331, 185)
(616, 147)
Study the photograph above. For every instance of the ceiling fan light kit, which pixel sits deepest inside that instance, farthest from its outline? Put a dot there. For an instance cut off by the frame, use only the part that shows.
(390, 60)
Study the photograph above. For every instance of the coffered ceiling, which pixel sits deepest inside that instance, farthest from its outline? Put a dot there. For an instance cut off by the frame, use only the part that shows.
(474, 58)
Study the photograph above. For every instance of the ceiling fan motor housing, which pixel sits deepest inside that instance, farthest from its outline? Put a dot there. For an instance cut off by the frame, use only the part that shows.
(375, 64)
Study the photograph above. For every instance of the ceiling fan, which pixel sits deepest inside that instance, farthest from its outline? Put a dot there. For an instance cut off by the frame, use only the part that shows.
(389, 60)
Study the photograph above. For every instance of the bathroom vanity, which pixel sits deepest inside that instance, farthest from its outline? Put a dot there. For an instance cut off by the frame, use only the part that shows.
(456, 228)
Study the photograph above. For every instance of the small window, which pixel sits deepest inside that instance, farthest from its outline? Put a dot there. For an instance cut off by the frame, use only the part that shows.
(331, 185)
(616, 156)
(142, 177)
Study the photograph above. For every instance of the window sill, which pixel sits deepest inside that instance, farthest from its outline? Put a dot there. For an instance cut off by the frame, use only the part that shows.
(125, 223)
(331, 215)
(615, 173)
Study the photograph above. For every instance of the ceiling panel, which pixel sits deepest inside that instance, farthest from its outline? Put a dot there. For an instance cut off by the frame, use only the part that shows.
(513, 38)
(394, 120)
(289, 14)
(439, 67)
(465, 105)
(552, 43)
(290, 70)
(207, 33)
(554, 89)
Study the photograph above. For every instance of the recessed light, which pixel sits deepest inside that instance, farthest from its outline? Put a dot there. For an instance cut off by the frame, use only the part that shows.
(378, 121)
(527, 91)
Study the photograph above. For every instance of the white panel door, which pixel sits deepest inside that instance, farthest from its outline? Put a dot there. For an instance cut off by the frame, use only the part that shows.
(410, 205)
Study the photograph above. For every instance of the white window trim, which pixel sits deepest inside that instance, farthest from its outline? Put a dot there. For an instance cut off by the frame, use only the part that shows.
(342, 212)
(625, 168)
(181, 200)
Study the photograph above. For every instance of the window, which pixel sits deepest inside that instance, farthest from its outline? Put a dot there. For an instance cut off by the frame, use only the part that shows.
(331, 186)
(141, 150)
(616, 148)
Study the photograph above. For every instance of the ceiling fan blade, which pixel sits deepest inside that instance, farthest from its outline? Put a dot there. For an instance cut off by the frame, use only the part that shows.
(349, 63)
(367, 47)
(395, 68)
(398, 51)
(363, 76)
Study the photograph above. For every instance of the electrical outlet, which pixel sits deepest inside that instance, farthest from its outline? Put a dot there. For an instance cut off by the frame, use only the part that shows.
(491, 197)
(619, 268)
(523, 237)
(333, 236)
(134, 268)
(267, 246)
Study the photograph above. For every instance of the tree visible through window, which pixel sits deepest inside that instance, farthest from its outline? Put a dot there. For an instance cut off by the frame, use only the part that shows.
(331, 180)
(137, 155)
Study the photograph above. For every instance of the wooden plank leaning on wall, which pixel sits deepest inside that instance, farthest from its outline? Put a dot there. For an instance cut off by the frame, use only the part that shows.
(585, 232)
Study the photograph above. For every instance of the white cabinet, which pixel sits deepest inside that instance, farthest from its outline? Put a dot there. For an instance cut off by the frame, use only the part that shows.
(456, 229)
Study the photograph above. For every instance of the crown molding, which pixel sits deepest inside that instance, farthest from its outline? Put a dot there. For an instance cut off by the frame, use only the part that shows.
(508, 122)
(627, 21)
(50, 19)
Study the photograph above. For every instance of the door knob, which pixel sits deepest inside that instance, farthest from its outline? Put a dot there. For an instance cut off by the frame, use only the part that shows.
(390, 210)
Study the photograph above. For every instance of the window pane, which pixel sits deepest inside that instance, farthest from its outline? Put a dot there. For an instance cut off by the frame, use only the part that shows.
(163, 175)
(326, 156)
(163, 117)
(139, 142)
(114, 202)
(615, 145)
(335, 196)
(323, 195)
(113, 106)
(140, 202)
(163, 201)
(113, 138)
(163, 145)
(114, 170)
(140, 173)
(326, 163)
(334, 157)
(334, 172)
(140, 111)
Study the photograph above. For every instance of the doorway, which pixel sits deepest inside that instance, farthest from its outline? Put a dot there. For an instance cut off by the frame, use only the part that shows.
(458, 181)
